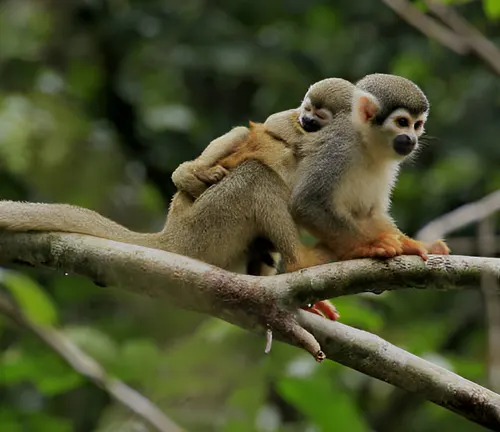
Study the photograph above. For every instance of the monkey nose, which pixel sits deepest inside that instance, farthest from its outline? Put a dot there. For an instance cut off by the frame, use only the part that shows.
(309, 124)
(404, 144)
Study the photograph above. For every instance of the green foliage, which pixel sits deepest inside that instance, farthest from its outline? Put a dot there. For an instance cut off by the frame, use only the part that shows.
(310, 396)
(31, 298)
(492, 9)
(101, 100)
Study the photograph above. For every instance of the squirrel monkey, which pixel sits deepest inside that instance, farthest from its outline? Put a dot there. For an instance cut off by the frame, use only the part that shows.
(358, 138)
(225, 227)
(348, 209)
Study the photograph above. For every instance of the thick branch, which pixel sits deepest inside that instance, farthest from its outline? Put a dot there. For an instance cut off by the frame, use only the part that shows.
(245, 300)
(374, 356)
(88, 367)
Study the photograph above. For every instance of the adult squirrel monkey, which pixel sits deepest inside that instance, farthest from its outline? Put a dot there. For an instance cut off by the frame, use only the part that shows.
(227, 224)
(348, 209)
(348, 165)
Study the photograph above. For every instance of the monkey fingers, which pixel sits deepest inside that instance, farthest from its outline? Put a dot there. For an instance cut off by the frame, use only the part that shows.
(439, 247)
(414, 247)
(211, 175)
(328, 309)
(324, 309)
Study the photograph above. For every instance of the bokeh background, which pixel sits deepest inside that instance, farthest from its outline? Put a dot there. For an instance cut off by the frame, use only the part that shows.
(100, 100)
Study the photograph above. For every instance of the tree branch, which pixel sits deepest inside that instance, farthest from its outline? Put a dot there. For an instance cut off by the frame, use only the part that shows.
(457, 34)
(430, 27)
(486, 50)
(254, 302)
(460, 217)
(88, 367)
(378, 358)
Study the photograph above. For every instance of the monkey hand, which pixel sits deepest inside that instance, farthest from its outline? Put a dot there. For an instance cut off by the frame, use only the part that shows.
(211, 175)
(194, 177)
(185, 179)
(324, 309)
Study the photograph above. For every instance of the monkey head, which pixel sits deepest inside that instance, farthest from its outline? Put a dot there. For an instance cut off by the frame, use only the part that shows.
(397, 112)
(323, 101)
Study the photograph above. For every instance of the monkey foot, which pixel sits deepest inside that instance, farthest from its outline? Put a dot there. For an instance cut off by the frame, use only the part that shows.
(384, 246)
(212, 175)
(324, 309)
(414, 247)
(439, 247)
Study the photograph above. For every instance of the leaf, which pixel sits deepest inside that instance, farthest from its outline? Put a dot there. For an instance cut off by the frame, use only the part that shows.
(138, 358)
(492, 9)
(31, 298)
(48, 373)
(327, 408)
(355, 313)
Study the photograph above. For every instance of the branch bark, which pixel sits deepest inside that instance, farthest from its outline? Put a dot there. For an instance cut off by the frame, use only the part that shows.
(247, 301)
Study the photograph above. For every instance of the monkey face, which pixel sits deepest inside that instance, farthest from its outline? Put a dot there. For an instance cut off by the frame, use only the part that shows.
(312, 117)
(405, 129)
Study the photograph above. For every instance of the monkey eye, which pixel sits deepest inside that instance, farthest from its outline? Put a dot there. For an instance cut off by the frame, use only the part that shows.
(402, 121)
(321, 114)
(418, 124)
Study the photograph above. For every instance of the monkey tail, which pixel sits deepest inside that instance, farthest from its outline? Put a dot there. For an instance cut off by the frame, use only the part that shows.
(26, 216)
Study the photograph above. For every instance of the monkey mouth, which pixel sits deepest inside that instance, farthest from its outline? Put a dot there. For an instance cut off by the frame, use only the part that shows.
(404, 150)
(403, 145)
(309, 124)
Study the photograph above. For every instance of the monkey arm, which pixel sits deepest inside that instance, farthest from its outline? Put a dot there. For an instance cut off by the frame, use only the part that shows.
(195, 176)
(312, 203)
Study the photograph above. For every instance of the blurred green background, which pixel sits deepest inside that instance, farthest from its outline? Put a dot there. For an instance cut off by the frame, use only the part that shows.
(100, 100)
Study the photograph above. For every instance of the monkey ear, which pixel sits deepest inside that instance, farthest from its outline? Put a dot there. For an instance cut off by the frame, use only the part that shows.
(365, 106)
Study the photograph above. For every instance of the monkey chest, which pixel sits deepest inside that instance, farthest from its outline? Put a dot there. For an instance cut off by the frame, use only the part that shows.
(362, 192)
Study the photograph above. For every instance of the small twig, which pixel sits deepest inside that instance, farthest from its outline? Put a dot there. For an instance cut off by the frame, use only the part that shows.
(269, 341)
(460, 217)
(486, 50)
(428, 26)
(88, 367)
(489, 288)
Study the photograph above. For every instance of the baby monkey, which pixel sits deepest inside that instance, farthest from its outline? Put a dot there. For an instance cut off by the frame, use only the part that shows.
(357, 139)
